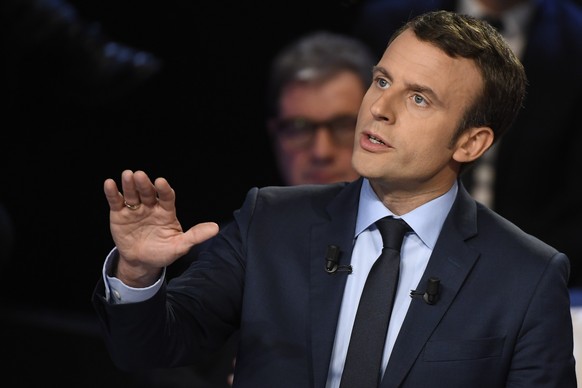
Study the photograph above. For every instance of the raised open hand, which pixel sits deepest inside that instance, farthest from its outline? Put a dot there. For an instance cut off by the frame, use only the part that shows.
(145, 228)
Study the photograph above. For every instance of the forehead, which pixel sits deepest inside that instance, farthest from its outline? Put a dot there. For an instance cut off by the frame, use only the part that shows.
(341, 93)
(411, 61)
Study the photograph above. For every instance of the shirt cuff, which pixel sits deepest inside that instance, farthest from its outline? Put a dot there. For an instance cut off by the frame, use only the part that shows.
(117, 292)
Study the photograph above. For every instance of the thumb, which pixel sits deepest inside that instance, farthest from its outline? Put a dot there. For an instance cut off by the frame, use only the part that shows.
(202, 232)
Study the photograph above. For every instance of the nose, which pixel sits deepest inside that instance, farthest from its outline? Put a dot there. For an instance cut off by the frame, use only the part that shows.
(323, 143)
(382, 108)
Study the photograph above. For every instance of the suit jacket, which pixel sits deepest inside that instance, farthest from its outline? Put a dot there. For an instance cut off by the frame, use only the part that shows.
(502, 318)
(539, 159)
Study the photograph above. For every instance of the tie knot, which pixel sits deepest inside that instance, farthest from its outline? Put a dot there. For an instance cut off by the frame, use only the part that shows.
(392, 231)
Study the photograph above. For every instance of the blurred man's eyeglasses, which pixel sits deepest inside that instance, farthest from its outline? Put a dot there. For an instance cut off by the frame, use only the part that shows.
(299, 132)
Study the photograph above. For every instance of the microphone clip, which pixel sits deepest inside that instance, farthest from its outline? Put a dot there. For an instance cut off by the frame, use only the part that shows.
(431, 295)
(332, 261)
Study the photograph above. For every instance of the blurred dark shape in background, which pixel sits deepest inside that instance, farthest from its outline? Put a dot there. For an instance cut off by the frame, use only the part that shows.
(90, 88)
(50, 46)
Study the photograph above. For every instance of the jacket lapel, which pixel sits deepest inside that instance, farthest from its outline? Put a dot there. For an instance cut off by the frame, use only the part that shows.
(327, 289)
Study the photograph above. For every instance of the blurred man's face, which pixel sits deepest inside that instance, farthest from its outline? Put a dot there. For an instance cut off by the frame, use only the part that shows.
(314, 134)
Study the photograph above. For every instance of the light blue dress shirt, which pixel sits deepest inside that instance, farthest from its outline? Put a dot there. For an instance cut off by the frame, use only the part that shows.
(426, 221)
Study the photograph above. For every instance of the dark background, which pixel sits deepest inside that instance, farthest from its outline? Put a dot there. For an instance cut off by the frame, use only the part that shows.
(80, 107)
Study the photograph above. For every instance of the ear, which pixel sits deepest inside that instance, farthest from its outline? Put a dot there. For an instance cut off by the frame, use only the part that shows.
(472, 144)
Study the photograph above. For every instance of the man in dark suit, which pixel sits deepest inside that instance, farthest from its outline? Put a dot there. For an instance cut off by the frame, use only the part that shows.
(445, 88)
(534, 168)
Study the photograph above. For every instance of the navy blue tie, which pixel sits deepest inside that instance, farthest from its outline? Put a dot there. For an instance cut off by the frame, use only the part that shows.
(363, 362)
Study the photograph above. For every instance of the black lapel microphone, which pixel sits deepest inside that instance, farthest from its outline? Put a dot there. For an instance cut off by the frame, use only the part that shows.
(431, 295)
(332, 261)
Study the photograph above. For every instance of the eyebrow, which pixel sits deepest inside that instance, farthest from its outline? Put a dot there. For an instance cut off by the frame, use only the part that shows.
(411, 86)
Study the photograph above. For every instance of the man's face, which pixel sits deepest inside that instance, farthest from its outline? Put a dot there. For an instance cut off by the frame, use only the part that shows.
(314, 135)
(410, 114)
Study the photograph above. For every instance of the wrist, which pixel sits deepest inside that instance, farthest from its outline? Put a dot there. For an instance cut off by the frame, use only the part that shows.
(135, 275)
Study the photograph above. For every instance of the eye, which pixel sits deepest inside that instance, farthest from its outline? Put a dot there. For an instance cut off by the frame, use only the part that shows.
(382, 83)
(419, 100)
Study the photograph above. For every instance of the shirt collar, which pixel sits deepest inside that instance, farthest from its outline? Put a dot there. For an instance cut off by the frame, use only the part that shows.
(426, 220)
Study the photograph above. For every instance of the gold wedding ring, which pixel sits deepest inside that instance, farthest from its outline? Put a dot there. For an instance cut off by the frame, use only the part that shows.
(131, 207)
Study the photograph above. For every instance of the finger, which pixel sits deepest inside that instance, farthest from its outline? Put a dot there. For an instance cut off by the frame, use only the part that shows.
(130, 193)
(166, 195)
(112, 194)
(145, 188)
(202, 232)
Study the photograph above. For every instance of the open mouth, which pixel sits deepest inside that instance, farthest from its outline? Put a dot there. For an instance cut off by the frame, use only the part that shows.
(375, 140)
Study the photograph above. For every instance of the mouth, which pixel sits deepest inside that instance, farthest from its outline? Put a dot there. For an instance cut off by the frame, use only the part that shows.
(375, 140)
